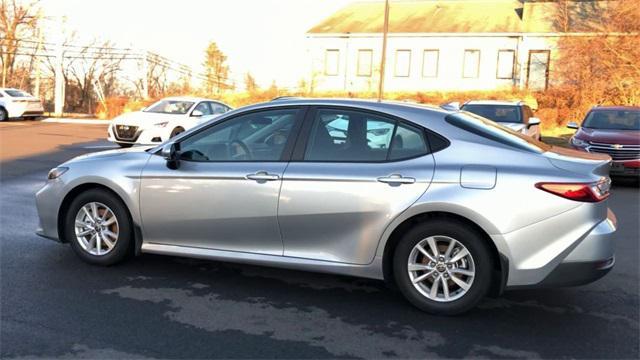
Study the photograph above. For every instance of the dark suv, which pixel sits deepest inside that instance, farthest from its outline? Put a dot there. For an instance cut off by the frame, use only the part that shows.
(613, 130)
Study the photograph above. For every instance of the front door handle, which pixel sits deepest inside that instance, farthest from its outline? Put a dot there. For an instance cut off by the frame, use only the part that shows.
(263, 176)
(396, 179)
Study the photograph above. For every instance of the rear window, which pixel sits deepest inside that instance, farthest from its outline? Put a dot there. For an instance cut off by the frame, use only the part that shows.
(498, 113)
(613, 120)
(490, 130)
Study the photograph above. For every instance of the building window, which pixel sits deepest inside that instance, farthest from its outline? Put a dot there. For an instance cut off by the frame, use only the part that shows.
(365, 60)
(538, 69)
(471, 66)
(430, 60)
(331, 62)
(506, 60)
(403, 63)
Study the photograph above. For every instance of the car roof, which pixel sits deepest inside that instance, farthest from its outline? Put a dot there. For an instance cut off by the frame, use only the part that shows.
(385, 105)
(190, 98)
(494, 102)
(615, 107)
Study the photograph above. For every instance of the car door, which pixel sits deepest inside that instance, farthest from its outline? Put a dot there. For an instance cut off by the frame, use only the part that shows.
(355, 172)
(224, 194)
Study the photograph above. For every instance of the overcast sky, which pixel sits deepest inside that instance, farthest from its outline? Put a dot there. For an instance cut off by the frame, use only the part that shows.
(265, 37)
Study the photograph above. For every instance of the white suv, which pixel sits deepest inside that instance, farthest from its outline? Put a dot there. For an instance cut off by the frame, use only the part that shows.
(163, 120)
(16, 104)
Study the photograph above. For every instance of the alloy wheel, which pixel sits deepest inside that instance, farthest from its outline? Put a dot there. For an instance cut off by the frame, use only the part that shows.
(441, 268)
(96, 228)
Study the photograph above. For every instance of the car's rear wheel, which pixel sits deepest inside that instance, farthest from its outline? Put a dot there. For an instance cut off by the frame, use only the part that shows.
(4, 115)
(98, 227)
(125, 145)
(176, 131)
(443, 267)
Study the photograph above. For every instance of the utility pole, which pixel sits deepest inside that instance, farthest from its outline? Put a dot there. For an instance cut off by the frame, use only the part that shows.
(59, 72)
(38, 65)
(383, 60)
(145, 75)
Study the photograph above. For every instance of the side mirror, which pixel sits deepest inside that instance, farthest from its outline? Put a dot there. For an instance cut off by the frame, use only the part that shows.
(171, 153)
(573, 125)
(197, 113)
(533, 121)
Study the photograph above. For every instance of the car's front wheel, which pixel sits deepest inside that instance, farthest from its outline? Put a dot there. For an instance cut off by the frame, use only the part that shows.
(175, 132)
(4, 115)
(443, 267)
(98, 227)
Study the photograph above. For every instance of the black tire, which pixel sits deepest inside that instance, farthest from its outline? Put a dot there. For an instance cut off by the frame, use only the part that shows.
(125, 145)
(176, 132)
(122, 247)
(4, 115)
(465, 235)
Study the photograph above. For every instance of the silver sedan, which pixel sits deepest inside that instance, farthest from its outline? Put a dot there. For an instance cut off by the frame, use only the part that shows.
(446, 205)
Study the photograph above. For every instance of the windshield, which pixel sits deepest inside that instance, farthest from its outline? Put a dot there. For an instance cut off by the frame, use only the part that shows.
(177, 107)
(613, 120)
(498, 113)
(17, 93)
(493, 131)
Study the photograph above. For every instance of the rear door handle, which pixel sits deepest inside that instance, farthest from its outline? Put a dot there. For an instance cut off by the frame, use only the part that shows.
(396, 179)
(263, 176)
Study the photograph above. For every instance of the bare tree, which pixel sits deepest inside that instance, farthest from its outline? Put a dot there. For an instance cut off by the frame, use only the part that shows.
(17, 21)
(216, 70)
(604, 65)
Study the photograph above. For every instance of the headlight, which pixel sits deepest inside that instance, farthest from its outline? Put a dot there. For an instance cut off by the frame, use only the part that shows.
(161, 124)
(579, 143)
(56, 172)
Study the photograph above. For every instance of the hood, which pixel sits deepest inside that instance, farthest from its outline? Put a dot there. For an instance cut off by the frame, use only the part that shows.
(579, 161)
(142, 119)
(513, 126)
(110, 153)
(622, 137)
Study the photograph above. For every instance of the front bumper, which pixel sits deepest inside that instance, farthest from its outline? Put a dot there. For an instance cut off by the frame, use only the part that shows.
(629, 168)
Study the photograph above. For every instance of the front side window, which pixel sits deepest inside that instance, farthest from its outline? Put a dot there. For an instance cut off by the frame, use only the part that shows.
(259, 136)
(471, 66)
(175, 107)
(365, 61)
(331, 62)
(613, 120)
(352, 136)
(403, 63)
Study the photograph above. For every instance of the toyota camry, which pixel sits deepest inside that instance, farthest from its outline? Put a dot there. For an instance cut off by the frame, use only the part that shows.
(447, 206)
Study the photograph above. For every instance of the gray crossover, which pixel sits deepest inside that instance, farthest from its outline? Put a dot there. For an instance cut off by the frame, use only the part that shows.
(445, 205)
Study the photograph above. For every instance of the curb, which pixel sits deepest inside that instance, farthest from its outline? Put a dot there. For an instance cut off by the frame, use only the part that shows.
(77, 121)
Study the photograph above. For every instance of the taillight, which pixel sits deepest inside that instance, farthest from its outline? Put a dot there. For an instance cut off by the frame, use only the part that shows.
(585, 192)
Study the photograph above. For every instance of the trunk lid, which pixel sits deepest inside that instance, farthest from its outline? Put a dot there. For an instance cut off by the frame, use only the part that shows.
(579, 162)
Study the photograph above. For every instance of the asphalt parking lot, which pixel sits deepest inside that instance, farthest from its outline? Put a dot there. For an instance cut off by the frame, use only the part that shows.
(53, 305)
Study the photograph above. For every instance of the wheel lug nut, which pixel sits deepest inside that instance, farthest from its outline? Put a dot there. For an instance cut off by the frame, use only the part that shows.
(449, 266)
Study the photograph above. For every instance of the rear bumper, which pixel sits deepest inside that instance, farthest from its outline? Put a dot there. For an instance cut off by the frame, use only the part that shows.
(577, 273)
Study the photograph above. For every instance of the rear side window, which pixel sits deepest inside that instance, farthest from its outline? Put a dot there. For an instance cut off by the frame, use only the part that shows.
(492, 131)
(353, 136)
(408, 142)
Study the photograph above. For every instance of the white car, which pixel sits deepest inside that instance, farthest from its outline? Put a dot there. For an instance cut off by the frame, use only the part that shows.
(163, 120)
(15, 104)
(516, 115)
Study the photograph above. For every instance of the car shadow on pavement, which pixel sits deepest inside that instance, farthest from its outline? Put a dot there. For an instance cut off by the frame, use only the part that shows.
(157, 306)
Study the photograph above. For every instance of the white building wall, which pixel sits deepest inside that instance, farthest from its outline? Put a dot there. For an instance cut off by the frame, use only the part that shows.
(450, 65)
